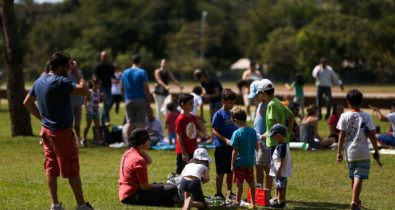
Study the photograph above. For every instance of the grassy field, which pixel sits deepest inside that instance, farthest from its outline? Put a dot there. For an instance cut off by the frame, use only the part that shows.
(319, 182)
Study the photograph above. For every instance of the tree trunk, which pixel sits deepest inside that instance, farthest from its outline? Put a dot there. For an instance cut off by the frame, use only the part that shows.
(20, 117)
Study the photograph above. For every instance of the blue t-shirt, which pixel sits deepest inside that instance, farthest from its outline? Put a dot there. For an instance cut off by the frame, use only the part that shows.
(53, 98)
(260, 119)
(210, 86)
(222, 122)
(133, 80)
(244, 139)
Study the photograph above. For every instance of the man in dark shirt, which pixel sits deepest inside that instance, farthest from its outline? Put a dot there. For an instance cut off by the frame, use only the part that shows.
(105, 72)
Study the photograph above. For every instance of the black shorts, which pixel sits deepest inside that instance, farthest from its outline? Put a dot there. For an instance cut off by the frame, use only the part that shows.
(180, 163)
(223, 159)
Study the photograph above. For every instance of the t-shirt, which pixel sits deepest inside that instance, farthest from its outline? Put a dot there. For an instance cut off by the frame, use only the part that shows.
(104, 71)
(210, 86)
(223, 123)
(391, 119)
(197, 102)
(333, 121)
(53, 99)
(356, 125)
(244, 139)
(133, 170)
(298, 89)
(195, 170)
(76, 100)
(187, 127)
(260, 119)
(281, 151)
(116, 84)
(93, 104)
(155, 126)
(170, 120)
(279, 113)
(133, 80)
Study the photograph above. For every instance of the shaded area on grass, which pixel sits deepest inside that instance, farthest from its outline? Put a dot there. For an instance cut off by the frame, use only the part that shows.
(316, 205)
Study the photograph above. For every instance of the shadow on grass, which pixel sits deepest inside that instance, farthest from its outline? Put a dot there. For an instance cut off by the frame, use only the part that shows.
(316, 205)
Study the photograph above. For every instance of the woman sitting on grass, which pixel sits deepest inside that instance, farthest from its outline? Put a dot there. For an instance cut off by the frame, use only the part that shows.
(134, 187)
(309, 130)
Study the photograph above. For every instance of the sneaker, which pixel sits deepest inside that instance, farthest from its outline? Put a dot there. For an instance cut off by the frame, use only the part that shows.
(86, 206)
(220, 195)
(273, 202)
(354, 206)
(232, 196)
(57, 206)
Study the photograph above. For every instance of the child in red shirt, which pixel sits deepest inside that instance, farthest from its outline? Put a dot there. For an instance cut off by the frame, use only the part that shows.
(186, 132)
(170, 120)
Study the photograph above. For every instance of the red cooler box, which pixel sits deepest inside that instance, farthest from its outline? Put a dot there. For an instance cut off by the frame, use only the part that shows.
(261, 196)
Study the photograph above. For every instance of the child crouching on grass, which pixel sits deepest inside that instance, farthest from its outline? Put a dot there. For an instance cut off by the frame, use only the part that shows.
(194, 173)
(355, 128)
(281, 164)
(244, 143)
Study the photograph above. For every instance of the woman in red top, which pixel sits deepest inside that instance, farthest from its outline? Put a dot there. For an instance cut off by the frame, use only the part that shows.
(134, 187)
(338, 109)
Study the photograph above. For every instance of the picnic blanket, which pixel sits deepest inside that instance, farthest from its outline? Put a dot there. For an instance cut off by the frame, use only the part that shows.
(173, 147)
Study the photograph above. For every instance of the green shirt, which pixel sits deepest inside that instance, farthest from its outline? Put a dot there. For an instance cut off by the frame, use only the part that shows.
(276, 112)
(298, 89)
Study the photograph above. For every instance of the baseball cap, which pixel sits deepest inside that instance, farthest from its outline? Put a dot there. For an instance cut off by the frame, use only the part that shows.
(201, 154)
(260, 86)
(277, 129)
(138, 137)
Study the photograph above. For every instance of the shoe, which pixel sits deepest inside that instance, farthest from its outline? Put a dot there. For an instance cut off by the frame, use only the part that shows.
(232, 196)
(273, 202)
(86, 206)
(354, 206)
(57, 206)
(220, 195)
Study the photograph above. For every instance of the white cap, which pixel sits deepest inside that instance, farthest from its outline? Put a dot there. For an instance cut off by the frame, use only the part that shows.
(201, 154)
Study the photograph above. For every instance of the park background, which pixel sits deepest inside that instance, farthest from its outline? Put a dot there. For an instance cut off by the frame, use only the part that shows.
(283, 36)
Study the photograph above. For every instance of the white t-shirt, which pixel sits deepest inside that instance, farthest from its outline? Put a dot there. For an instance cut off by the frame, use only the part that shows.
(356, 145)
(391, 119)
(195, 170)
(116, 84)
(286, 170)
(197, 101)
(93, 103)
(325, 77)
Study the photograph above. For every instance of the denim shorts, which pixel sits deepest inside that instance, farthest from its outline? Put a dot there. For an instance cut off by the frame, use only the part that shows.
(359, 169)
(280, 182)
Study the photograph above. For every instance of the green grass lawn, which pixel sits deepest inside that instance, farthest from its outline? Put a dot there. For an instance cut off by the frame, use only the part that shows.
(318, 181)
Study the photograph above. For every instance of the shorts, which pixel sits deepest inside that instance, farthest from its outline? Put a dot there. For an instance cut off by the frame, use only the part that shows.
(359, 169)
(223, 159)
(280, 182)
(194, 187)
(136, 111)
(243, 173)
(262, 156)
(171, 136)
(61, 152)
(77, 113)
(93, 116)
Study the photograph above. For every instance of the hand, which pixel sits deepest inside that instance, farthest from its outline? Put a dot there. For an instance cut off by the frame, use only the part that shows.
(227, 141)
(339, 157)
(74, 67)
(376, 155)
(185, 157)
(263, 138)
(233, 167)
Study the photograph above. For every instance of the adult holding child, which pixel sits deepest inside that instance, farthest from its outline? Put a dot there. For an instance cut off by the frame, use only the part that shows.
(134, 188)
(52, 92)
(162, 78)
(325, 78)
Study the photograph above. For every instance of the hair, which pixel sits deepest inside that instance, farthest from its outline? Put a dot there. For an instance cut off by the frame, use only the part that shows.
(270, 92)
(184, 98)
(311, 109)
(293, 105)
(239, 114)
(196, 161)
(228, 94)
(299, 79)
(334, 108)
(197, 90)
(252, 63)
(354, 97)
(323, 60)
(171, 106)
(199, 73)
(59, 59)
(137, 142)
(136, 59)
(392, 103)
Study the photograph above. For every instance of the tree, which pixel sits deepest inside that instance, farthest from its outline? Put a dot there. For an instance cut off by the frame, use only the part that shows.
(20, 117)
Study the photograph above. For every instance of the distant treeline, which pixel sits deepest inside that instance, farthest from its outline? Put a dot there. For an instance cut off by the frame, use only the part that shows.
(285, 36)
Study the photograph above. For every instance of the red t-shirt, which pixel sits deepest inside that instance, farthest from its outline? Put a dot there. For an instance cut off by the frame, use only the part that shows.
(333, 121)
(187, 127)
(171, 118)
(133, 170)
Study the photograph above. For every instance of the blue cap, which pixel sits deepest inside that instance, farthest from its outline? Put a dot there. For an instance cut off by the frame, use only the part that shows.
(277, 129)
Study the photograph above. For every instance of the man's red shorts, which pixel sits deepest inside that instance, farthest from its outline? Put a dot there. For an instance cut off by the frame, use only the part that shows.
(243, 173)
(61, 152)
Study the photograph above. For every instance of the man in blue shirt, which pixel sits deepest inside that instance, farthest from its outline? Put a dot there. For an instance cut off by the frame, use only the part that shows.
(52, 92)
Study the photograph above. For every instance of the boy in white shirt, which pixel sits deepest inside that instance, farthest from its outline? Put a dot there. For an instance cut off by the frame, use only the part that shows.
(355, 128)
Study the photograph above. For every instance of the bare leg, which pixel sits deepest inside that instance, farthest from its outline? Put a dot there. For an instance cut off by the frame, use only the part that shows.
(97, 131)
(218, 182)
(76, 186)
(239, 188)
(229, 179)
(126, 132)
(53, 188)
(252, 187)
(356, 190)
(259, 174)
(281, 195)
(88, 126)
(269, 179)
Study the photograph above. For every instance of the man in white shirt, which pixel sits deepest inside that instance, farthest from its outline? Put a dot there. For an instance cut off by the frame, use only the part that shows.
(325, 77)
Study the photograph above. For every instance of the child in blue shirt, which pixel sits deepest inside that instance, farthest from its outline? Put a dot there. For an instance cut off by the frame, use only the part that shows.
(244, 143)
(223, 128)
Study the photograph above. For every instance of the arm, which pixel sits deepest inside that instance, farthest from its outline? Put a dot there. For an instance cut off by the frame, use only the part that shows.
(332, 128)
(336, 80)
(234, 156)
(147, 157)
(288, 87)
(342, 136)
(378, 113)
(159, 80)
(185, 156)
(221, 137)
(31, 106)
(81, 88)
(206, 176)
(147, 93)
(315, 124)
(174, 79)
(202, 111)
(290, 122)
(373, 140)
